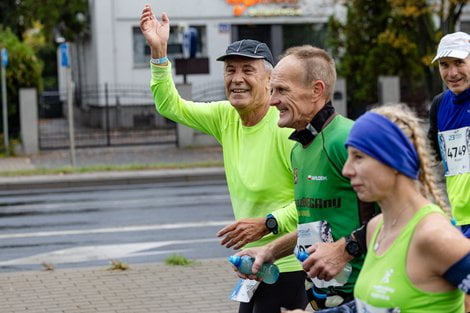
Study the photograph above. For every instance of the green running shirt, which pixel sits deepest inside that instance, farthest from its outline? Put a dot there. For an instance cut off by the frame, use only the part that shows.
(322, 193)
(256, 158)
(383, 284)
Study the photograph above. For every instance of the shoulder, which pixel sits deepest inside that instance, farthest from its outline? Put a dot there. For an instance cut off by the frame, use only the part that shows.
(436, 238)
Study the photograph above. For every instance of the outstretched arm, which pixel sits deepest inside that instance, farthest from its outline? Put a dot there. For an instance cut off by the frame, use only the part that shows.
(155, 32)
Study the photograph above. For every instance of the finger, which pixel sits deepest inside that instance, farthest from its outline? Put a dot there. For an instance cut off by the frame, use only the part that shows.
(165, 19)
(226, 229)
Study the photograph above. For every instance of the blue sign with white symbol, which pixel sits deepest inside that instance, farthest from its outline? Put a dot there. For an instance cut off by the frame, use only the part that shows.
(64, 54)
(4, 57)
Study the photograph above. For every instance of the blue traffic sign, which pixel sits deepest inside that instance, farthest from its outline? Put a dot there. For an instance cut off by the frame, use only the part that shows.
(64, 54)
(4, 57)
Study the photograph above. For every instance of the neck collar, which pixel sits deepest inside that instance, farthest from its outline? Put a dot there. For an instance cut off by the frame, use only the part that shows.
(462, 97)
(318, 122)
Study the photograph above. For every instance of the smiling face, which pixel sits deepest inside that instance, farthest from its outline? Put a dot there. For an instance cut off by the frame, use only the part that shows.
(371, 179)
(246, 82)
(455, 73)
(290, 95)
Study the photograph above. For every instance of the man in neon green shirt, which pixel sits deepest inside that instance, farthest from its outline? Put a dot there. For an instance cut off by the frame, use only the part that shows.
(256, 152)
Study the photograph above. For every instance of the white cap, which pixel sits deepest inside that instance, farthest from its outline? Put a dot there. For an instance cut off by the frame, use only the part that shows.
(455, 45)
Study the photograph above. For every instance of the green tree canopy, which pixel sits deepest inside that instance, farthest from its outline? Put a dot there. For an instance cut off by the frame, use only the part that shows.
(392, 37)
(24, 70)
(65, 17)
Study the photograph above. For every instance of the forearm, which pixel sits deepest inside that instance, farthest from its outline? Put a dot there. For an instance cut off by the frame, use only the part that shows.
(283, 246)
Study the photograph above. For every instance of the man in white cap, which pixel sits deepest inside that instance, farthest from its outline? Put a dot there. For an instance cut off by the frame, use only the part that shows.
(449, 129)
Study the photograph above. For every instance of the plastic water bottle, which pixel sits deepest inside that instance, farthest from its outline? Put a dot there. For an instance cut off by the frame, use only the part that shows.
(341, 278)
(269, 272)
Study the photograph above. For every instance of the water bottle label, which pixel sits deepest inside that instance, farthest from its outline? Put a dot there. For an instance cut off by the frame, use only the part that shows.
(244, 290)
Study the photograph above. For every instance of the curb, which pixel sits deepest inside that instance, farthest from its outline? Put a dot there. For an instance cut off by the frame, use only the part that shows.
(110, 178)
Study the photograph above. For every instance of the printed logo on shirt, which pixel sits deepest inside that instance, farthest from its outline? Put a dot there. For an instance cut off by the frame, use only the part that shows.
(296, 175)
(386, 278)
(317, 178)
(318, 203)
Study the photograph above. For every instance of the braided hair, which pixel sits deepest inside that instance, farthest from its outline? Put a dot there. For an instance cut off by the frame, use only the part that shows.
(409, 123)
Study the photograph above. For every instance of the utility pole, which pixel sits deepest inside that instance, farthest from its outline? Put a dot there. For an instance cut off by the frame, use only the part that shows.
(6, 141)
(64, 55)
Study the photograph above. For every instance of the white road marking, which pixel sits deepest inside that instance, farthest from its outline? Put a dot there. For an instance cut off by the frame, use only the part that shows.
(116, 229)
(101, 252)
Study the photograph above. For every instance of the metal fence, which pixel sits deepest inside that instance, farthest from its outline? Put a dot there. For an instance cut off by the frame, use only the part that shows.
(111, 115)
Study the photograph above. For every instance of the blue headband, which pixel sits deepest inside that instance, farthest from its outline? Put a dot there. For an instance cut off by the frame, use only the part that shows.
(383, 140)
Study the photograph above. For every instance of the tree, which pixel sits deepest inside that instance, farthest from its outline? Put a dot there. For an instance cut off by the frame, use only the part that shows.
(393, 37)
(23, 70)
(67, 18)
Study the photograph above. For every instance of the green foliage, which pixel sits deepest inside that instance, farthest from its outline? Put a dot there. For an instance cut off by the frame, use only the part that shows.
(179, 260)
(393, 37)
(24, 70)
(67, 17)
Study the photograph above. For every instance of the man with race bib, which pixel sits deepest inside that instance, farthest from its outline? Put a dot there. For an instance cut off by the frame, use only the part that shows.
(450, 123)
(449, 129)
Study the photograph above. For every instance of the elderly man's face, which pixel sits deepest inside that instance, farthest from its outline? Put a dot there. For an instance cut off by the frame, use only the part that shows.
(290, 95)
(455, 73)
(246, 82)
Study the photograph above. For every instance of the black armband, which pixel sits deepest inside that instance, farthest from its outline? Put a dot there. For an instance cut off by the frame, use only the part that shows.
(459, 274)
(360, 236)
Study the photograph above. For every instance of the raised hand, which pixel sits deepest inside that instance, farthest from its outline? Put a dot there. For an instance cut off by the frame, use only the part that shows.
(156, 33)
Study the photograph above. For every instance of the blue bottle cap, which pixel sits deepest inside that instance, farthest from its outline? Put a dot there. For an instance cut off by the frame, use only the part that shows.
(235, 259)
(302, 256)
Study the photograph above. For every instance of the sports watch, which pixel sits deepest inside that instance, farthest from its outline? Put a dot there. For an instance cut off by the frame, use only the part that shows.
(271, 224)
(352, 246)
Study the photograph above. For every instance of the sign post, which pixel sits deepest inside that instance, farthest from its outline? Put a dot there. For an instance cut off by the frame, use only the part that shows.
(6, 141)
(64, 56)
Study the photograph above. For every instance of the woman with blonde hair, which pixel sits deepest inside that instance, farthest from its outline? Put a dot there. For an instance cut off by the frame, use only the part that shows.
(416, 261)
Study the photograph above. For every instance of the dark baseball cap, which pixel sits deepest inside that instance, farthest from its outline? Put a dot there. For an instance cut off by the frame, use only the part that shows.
(248, 48)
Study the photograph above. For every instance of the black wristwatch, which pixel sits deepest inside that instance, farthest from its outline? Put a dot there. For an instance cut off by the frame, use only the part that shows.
(271, 224)
(352, 246)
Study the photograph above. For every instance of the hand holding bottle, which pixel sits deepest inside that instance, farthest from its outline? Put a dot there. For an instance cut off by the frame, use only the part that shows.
(268, 273)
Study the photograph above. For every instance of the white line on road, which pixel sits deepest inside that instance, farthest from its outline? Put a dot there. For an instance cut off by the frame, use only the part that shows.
(116, 229)
(102, 252)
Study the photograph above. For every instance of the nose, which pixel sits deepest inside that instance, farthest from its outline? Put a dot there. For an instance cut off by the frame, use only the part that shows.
(237, 77)
(348, 170)
(453, 71)
(273, 99)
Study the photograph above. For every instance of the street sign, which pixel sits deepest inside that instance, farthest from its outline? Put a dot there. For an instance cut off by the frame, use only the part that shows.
(4, 57)
(64, 54)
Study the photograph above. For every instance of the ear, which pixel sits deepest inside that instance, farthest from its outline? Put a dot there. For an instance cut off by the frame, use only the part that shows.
(318, 89)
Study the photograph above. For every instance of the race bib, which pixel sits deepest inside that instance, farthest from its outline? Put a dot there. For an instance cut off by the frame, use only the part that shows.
(454, 146)
(310, 233)
(244, 290)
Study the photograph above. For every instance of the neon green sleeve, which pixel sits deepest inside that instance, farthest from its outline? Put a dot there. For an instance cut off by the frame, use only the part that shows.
(204, 117)
(287, 218)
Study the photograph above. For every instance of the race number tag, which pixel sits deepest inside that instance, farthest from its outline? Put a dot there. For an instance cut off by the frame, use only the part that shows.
(244, 290)
(454, 145)
(310, 233)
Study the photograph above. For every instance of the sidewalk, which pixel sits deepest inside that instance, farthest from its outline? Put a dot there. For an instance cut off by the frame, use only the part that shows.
(157, 288)
(203, 287)
(133, 155)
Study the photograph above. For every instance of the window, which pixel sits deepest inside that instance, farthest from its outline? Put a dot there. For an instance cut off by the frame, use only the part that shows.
(175, 44)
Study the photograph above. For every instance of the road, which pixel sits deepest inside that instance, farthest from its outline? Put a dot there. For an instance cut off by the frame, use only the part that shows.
(77, 227)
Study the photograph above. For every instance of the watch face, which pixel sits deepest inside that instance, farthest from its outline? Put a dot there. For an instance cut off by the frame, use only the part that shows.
(271, 223)
(353, 248)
